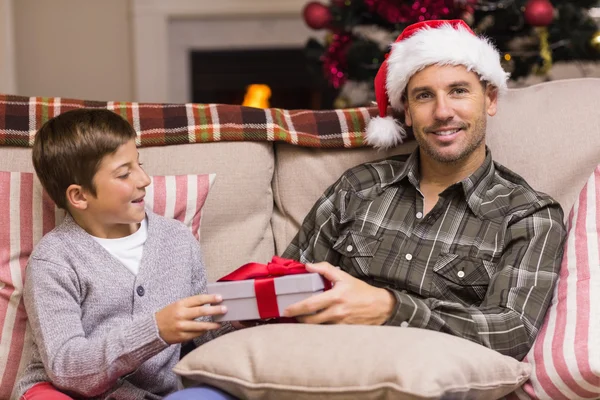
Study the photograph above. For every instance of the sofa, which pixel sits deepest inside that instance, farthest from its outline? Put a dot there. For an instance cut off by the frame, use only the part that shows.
(271, 165)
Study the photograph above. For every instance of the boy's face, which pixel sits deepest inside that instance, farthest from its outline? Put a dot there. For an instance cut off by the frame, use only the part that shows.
(120, 189)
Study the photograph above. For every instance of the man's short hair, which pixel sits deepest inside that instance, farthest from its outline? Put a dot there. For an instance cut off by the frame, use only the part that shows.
(69, 148)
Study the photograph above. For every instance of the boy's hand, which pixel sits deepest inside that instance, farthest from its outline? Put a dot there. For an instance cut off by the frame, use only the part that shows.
(176, 322)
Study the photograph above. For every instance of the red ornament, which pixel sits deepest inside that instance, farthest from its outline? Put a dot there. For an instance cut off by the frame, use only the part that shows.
(539, 12)
(316, 15)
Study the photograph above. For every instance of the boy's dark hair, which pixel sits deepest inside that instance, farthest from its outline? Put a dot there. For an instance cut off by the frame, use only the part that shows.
(68, 149)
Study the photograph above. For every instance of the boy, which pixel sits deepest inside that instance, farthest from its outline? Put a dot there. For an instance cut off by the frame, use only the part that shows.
(104, 289)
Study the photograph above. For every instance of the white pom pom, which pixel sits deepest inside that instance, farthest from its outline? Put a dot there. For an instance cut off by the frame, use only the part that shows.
(384, 133)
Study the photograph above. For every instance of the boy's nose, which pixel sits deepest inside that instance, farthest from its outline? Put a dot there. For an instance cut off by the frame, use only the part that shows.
(144, 180)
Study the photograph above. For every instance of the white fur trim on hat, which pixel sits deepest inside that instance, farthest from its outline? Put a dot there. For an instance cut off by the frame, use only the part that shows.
(444, 45)
(384, 132)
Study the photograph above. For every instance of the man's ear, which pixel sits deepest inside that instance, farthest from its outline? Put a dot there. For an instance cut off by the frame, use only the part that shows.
(77, 197)
(491, 99)
(407, 116)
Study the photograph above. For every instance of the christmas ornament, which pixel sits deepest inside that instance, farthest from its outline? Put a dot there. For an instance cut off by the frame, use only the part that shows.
(316, 15)
(335, 60)
(545, 52)
(595, 41)
(539, 12)
(341, 102)
(508, 63)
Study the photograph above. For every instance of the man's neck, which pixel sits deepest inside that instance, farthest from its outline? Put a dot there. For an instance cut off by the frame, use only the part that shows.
(443, 175)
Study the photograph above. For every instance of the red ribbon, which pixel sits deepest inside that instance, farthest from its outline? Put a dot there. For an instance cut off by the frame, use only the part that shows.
(264, 284)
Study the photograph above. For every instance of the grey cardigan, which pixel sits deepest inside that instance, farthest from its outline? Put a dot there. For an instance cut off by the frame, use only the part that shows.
(94, 331)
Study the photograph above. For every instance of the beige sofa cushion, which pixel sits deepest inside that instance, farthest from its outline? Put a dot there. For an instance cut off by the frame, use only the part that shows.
(302, 175)
(297, 361)
(549, 134)
(236, 219)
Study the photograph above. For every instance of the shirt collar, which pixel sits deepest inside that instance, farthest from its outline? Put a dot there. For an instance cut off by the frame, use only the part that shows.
(410, 170)
(473, 187)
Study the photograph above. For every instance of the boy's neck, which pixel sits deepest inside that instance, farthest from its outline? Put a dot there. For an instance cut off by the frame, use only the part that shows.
(103, 231)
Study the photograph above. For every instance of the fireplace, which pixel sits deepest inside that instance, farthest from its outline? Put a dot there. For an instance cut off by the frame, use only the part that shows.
(165, 33)
(223, 76)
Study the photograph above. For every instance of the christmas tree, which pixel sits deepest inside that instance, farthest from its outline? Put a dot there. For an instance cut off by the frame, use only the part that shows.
(530, 34)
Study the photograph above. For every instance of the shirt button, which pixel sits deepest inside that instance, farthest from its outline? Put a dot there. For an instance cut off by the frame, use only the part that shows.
(419, 215)
(140, 291)
(408, 257)
(349, 248)
(461, 274)
(404, 324)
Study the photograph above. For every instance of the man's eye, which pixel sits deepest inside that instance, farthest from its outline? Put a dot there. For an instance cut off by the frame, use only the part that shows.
(422, 96)
(460, 91)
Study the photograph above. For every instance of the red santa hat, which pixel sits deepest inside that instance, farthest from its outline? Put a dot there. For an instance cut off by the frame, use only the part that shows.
(441, 42)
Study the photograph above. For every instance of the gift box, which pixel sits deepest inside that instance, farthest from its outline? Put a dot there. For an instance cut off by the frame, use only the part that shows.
(263, 291)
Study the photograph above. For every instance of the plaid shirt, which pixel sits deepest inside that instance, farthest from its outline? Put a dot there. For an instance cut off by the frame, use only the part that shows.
(481, 265)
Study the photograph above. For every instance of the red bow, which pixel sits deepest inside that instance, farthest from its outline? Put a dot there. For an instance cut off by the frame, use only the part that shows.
(264, 285)
(277, 267)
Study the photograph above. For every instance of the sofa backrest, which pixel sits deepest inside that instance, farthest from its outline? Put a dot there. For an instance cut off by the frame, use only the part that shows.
(548, 133)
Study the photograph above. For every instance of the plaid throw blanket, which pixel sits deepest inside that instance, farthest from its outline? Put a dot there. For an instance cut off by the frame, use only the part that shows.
(166, 124)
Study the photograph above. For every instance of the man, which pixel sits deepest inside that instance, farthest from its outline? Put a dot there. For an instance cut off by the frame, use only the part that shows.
(444, 239)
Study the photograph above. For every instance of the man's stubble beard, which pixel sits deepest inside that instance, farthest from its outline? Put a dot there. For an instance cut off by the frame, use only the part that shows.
(473, 143)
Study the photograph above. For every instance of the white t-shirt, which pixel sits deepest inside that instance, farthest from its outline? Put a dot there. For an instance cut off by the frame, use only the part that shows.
(128, 249)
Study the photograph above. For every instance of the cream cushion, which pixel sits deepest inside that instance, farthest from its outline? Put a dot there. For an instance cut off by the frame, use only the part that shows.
(297, 361)
(539, 130)
(236, 219)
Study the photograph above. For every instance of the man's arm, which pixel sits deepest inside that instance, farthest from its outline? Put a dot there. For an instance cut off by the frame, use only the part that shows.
(517, 298)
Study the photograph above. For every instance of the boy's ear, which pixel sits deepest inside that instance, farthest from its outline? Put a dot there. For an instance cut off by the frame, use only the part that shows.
(77, 197)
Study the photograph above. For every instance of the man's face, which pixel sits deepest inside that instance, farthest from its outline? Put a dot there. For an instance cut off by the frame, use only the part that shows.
(447, 107)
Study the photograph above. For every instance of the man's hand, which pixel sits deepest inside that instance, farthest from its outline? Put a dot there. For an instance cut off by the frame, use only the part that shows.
(177, 321)
(350, 301)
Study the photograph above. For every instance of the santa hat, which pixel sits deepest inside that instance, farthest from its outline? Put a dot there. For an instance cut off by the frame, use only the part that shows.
(442, 42)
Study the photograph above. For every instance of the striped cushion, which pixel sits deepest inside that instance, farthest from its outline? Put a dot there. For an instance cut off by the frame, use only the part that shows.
(27, 213)
(566, 354)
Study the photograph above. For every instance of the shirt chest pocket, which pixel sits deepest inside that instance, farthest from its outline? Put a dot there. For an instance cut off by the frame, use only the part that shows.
(460, 279)
(357, 251)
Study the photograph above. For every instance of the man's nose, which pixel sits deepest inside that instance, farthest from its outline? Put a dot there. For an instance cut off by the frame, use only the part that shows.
(443, 109)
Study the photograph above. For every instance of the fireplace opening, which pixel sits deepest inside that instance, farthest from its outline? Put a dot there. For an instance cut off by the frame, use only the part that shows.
(223, 76)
